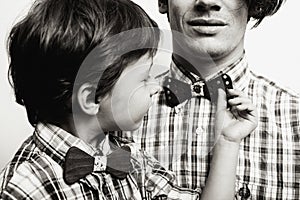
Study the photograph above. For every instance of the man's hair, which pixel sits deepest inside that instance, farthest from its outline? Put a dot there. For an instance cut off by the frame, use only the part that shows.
(48, 46)
(259, 9)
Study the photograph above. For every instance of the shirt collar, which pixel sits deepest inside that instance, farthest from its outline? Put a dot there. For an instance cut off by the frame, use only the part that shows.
(55, 142)
(238, 72)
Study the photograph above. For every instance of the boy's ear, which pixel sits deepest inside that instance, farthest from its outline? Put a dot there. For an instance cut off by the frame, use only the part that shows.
(86, 99)
(163, 6)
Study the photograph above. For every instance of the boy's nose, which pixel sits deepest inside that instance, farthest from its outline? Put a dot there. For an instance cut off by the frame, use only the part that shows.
(154, 89)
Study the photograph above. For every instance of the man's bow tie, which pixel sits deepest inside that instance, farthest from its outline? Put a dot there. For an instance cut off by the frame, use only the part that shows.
(177, 91)
(79, 164)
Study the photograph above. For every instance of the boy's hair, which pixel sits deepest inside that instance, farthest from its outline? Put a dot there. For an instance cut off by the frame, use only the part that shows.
(48, 46)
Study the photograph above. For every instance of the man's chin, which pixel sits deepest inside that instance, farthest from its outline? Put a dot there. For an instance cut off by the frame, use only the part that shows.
(200, 49)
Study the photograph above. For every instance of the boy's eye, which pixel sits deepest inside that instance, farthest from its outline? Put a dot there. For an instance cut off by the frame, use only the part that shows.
(147, 78)
(150, 79)
(146, 81)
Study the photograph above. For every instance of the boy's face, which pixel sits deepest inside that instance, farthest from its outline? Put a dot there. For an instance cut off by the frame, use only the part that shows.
(130, 99)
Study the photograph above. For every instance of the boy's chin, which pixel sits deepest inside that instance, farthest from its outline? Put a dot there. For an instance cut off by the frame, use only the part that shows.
(131, 126)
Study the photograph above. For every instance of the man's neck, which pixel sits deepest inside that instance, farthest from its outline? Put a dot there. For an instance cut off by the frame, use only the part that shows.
(204, 66)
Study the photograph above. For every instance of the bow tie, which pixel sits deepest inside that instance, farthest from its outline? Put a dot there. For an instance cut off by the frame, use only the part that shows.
(177, 91)
(79, 164)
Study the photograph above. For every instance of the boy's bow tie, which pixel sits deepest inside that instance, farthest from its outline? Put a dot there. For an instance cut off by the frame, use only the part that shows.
(79, 164)
(177, 91)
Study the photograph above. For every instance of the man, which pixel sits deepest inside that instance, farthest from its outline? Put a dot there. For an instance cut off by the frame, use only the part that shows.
(208, 45)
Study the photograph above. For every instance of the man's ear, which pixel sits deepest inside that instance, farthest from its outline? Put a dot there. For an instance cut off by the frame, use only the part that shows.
(86, 99)
(163, 6)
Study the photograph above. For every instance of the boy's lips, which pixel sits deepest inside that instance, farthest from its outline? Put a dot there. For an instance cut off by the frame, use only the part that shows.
(207, 26)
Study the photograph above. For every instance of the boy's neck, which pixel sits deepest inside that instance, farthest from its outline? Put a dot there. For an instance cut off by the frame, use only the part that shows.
(86, 130)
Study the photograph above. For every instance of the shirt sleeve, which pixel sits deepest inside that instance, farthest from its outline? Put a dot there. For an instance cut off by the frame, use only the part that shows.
(17, 186)
(157, 182)
(26, 184)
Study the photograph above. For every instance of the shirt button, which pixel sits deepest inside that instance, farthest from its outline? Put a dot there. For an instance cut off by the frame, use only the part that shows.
(244, 192)
(199, 131)
(150, 187)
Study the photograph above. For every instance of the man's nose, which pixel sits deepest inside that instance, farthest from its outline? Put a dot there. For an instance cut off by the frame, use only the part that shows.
(208, 5)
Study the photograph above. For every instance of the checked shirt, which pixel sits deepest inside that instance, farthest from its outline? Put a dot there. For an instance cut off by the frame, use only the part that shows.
(182, 138)
(36, 173)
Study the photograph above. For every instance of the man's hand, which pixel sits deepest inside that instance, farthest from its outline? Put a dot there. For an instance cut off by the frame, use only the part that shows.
(237, 122)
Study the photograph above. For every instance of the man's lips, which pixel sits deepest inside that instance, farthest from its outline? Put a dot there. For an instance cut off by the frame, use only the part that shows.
(208, 27)
(206, 22)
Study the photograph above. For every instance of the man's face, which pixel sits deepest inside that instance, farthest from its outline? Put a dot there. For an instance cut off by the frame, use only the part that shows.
(214, 27)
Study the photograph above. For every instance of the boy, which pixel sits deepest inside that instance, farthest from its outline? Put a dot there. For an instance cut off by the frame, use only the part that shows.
(79, 71)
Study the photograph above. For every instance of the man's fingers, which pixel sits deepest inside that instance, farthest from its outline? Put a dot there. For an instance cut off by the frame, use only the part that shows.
(239, 100)
(222, 101)
(245, 111)
(247, 107)
(235, 93)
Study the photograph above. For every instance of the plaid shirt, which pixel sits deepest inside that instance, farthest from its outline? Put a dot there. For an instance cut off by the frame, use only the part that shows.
(36, 173)
(182, 138)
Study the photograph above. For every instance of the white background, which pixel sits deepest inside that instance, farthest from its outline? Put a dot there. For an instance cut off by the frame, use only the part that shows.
(272, 50)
